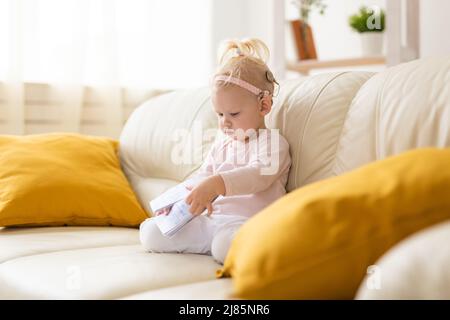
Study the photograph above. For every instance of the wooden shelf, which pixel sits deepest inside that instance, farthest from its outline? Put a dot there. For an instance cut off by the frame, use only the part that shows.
(306, 65)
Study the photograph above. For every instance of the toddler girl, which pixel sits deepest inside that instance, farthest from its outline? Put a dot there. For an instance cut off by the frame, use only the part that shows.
(247, 166)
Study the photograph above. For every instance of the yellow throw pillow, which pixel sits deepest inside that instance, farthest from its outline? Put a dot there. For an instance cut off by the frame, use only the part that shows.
(64, 179)
(318, 241)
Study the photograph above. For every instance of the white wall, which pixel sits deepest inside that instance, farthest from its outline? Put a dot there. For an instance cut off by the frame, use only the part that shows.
(434, 27)
(258, 18)
(333, 37)
(250, 19)
(228, 21)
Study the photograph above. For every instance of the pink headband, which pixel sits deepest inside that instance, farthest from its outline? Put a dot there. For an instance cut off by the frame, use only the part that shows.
(243, 84)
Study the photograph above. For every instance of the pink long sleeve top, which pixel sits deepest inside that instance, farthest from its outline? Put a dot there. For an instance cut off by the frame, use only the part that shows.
(255, 172)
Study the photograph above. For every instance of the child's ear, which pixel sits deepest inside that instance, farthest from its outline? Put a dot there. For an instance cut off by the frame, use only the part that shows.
(265, 105)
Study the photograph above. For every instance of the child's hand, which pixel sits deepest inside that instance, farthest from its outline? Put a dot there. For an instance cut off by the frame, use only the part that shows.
(201, 196)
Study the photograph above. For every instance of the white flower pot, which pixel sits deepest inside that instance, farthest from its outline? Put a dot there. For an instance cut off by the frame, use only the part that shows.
(372, 43)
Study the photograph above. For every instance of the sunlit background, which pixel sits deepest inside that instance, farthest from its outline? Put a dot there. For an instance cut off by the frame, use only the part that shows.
(135, 43)
(85, 65)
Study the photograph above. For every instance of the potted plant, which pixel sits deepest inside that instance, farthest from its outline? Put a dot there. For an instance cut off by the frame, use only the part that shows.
(302, 30)
(370, 24)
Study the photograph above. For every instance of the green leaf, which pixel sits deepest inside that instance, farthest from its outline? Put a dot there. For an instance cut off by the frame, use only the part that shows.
(358, 21)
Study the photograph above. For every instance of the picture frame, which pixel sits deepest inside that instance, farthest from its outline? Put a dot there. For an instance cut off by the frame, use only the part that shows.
(303, 40)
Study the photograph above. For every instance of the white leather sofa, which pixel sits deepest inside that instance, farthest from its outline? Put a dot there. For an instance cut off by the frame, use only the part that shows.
(333, 122)
(415, 268)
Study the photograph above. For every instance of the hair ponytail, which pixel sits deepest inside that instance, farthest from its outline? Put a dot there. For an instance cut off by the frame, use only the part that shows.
(254, 49)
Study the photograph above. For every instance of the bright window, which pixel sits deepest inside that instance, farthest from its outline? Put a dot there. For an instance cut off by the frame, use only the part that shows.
(143, 43)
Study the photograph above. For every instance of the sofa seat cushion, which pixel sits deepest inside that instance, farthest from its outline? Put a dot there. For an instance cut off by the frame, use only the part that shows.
(21, 242)
(100, 273)
(219, 289)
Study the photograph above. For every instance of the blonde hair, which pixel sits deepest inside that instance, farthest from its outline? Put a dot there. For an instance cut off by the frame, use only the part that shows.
(246, 59)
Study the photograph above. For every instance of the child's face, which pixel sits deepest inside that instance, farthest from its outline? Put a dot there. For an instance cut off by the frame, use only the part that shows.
(236, 108)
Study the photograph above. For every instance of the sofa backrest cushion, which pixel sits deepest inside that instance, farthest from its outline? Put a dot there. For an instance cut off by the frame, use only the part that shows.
(404, 107)
(310, 112)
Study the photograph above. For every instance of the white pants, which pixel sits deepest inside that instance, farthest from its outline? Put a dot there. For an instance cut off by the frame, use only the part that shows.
(206, 235)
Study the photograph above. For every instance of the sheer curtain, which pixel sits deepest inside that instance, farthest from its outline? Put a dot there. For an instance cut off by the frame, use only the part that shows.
(82, 65)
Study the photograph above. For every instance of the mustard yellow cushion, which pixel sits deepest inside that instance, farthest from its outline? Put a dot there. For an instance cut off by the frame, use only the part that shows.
(318, 241)
(64, 179)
